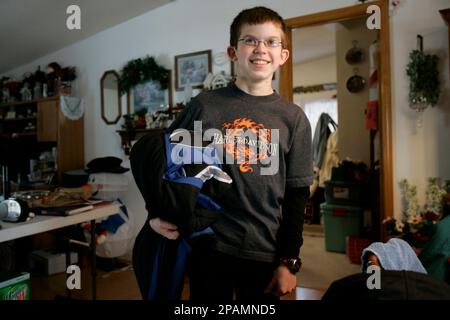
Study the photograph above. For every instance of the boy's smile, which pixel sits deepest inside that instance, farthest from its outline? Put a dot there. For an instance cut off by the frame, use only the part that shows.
(256, 64)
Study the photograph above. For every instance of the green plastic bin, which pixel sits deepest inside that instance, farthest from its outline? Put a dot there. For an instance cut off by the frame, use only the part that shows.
(340, 222)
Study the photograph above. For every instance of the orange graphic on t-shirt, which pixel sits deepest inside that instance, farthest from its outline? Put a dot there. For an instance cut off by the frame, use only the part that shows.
(240, 149)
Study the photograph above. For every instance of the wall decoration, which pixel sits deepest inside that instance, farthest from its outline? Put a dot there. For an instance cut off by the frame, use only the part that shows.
(355, 54)
(143, 70)
(192, 68)
(355, 83)
(149, 96)
(315, 88)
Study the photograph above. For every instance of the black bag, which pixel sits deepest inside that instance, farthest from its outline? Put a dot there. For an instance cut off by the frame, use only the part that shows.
(395, 285)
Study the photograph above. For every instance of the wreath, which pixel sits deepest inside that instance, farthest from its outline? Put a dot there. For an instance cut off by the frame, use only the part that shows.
(142, 70)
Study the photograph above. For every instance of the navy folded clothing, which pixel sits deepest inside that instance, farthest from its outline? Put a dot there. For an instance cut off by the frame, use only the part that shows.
(179, 190)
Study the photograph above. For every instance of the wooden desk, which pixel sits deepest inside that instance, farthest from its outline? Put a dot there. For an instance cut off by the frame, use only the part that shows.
(39, 224)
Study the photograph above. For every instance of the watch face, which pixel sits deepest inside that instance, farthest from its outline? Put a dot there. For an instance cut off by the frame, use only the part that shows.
(292, 264)
(295, 265)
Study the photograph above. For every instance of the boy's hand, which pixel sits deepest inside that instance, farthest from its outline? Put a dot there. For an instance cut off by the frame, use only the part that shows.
(164, 228)
(283, 282)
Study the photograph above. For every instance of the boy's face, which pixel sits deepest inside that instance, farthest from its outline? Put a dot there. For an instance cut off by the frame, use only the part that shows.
(256, 64)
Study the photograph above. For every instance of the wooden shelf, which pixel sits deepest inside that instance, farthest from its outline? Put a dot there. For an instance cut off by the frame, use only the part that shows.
(17, 135)
(19, 119)
(20, 103)
(53, 130)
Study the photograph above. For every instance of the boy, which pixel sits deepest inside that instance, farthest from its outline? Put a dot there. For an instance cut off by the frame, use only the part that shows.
(253, 254)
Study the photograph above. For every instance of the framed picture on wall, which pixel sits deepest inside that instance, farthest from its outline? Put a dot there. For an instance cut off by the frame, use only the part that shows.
(149, 96)
(192, 68)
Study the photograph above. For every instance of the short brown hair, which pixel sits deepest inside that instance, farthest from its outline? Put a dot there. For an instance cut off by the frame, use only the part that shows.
(256, 15)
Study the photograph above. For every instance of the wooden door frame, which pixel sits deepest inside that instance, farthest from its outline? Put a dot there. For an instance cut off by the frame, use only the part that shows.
(384, 76)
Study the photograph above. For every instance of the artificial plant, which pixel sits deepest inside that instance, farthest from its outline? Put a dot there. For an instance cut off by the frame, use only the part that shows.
(423, 74)
(142, 70)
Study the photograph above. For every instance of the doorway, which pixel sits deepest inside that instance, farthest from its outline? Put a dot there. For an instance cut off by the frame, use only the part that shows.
(325, 89)
(347, 18)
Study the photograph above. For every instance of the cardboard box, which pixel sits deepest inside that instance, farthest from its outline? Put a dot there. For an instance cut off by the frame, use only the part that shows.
(15, 286)
(49, 262)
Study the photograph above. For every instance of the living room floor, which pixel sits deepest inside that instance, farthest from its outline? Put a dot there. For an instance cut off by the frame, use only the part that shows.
(319, 270)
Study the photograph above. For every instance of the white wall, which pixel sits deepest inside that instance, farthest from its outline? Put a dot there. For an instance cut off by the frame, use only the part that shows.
(192, 25)
(314, 72)
(354, 138)
(419, 152)
(317, 71)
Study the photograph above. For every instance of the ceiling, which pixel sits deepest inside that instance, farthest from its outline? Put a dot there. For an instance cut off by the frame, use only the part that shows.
(30, 29)
(309, 43)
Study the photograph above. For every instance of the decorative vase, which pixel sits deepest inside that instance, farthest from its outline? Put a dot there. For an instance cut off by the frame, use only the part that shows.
(419, 107)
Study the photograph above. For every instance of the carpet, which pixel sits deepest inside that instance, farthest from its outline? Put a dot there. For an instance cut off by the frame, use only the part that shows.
(320, 267)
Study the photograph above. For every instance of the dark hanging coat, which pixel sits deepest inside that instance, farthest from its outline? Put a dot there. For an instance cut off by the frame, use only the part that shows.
(320, 138)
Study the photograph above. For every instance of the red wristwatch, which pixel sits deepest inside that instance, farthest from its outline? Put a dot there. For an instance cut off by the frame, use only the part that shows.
(293, 264)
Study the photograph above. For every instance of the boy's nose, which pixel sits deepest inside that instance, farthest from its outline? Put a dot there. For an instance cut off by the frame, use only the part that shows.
(261, 47)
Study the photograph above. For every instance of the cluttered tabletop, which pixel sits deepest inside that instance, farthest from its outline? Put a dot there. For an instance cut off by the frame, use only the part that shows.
(29, 213)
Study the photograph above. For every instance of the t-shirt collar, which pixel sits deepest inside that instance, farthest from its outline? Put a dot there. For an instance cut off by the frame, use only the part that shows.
(250, 98)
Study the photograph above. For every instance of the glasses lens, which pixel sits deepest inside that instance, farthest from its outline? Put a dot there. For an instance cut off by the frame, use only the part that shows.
(273, 43)
(251, 42)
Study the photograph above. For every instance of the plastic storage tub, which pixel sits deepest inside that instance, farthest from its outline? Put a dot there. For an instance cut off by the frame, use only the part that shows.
(340, 222)
(343, 193)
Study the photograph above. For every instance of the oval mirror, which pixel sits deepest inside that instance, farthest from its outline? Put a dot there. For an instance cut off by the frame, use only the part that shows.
(110, 97)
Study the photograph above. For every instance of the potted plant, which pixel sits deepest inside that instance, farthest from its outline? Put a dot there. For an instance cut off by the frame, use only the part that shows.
(423, 74)
(416, 224)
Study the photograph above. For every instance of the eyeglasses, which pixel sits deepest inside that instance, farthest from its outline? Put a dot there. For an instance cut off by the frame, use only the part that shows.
(252, 42)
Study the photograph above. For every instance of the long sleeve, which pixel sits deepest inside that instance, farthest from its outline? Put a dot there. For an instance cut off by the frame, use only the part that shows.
(290, 237)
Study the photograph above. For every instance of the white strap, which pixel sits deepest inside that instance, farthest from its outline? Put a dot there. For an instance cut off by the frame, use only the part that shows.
(214, 172)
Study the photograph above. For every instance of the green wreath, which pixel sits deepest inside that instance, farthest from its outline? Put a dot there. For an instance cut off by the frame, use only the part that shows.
(142, 70)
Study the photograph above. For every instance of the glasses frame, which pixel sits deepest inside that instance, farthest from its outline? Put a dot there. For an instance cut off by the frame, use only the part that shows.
(279, 42)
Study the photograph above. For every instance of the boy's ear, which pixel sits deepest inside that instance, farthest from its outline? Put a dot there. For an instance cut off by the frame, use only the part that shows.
(231, 53)
(284, 56)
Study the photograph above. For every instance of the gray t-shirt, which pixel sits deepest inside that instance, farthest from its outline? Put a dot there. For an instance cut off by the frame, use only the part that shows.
(278, 140)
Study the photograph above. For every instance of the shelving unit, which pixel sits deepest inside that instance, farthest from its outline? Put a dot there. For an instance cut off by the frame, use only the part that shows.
(52, 129)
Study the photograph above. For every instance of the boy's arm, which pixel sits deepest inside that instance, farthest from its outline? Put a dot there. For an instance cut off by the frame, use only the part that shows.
(290, 233)
(289, 240)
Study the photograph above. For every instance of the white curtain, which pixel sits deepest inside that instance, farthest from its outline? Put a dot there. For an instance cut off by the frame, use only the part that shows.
(313, 110)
